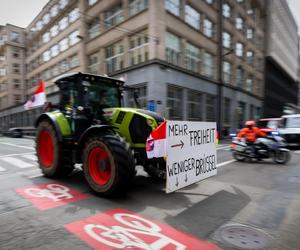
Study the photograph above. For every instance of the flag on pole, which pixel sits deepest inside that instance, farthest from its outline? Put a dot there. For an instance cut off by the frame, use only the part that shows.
(38, 98)
(156, 145)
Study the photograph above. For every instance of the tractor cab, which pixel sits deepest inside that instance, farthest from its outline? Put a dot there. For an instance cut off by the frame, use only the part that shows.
(85, 94)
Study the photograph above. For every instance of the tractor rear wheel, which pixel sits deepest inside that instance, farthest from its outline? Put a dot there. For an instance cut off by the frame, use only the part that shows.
(49, 152)
(108, 164)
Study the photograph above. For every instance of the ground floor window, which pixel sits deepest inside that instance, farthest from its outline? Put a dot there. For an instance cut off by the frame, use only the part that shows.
(174, 102)
(194, 105)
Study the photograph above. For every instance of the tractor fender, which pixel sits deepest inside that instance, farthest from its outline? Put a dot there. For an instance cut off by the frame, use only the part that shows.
(59, 122)
(96, 129)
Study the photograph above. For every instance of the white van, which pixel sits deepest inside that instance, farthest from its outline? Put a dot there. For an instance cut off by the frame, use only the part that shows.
(289, 129)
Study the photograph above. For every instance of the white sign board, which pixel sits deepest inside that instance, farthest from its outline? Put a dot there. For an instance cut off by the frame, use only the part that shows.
(191, 153)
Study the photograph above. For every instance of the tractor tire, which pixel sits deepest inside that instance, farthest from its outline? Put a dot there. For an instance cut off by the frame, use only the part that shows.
(49, 152)
(108, 164)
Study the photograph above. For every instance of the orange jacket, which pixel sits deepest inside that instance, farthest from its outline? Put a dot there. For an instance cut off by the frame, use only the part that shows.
(250, 134)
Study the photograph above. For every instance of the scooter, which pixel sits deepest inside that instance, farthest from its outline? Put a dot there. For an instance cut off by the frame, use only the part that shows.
(272, 146)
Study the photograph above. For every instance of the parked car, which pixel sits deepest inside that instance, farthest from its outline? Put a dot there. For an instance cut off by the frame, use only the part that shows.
(14, 132)
(289, 129)
(268, 125)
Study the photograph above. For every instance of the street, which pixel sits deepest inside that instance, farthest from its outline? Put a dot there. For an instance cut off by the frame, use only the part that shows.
(246, 206)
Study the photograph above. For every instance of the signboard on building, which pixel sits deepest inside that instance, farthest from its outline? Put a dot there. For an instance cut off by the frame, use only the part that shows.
(191, 153)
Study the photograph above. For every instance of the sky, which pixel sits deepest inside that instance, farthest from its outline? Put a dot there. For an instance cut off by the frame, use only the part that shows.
(22, 12)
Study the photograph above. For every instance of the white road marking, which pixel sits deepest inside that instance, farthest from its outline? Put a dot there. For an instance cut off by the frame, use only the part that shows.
(18, 163)
(225, 163)
(15, 145)
(297, 152)
(35, 176)
(11, 155)
(2, 169)
(30, 157)
(223, 147)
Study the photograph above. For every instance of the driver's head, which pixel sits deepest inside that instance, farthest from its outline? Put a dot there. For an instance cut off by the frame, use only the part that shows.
(250, 124)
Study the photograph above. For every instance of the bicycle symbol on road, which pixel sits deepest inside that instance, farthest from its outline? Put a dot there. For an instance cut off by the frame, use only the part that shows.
(55, 192)
(120, 237)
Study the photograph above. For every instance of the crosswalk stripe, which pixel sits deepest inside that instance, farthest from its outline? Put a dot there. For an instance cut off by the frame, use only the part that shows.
(2, 169)
(17, 162)
(30, 157)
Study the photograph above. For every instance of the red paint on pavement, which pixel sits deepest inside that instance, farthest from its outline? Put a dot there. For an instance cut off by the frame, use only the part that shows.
(50, 195)
(122, 229)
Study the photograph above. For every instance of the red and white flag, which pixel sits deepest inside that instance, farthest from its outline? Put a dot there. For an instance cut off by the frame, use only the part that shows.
(156, 145)
(38, 98)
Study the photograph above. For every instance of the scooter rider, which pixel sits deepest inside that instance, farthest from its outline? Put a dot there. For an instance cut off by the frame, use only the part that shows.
(250, 133)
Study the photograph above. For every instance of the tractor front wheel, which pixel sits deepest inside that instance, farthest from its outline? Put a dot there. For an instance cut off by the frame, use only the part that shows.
(49, 152)
(108, 164)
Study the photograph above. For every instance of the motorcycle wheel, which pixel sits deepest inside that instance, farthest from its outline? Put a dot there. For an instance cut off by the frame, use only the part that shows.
(238, 157)
(281, 157)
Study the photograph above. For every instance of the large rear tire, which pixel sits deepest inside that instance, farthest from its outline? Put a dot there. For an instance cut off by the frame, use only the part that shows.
(108, 164)
(49, 152)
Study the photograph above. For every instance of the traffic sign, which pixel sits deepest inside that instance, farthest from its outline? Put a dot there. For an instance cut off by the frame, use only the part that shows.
(191, 153)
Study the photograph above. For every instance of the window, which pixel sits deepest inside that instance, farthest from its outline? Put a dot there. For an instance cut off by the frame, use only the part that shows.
(240, 77)
(92, 2)
(17, 99)
(54, 10)
(192, 57)
(242, 113)
(172, 48)
(226, 72)
(93, 61)
(174, 102)
(250, 11)
(73, 37)
(250, 33)
(16, 68)
(210, 108)
(139, 48)
(46, 37)
(208, 65)
(94, 28)
(173, 6)
(15, 53)
(54, 30)
(64, 44)
(46, 56)
(239, 49)
(239, 23)
(226, 10)
(226, 40)
(249, 84)
(136, 6)
(63, 3)
(210, 1)
(192, 17)
(39, 25)
(54, 50)
(141, 93)
(252, 110)
(63, 23)
(227, 113)
(194, 105)
(46, 18)
(15, 36)
(113, 17)
(55, 70)
(74, 61)
(114, 57)
(250, 57)
(63, 66)
(74, 15)
(2, 72)
(208, 28)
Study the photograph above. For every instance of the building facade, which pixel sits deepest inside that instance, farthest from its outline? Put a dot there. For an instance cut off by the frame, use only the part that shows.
(176, 53)
(282, 54)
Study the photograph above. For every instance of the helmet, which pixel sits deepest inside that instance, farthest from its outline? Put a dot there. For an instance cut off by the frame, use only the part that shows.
(250, 123)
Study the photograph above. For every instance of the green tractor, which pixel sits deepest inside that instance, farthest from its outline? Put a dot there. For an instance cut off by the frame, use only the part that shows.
(90, 127)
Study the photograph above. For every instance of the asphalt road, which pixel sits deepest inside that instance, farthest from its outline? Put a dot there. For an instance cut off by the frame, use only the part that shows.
(246, 206)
